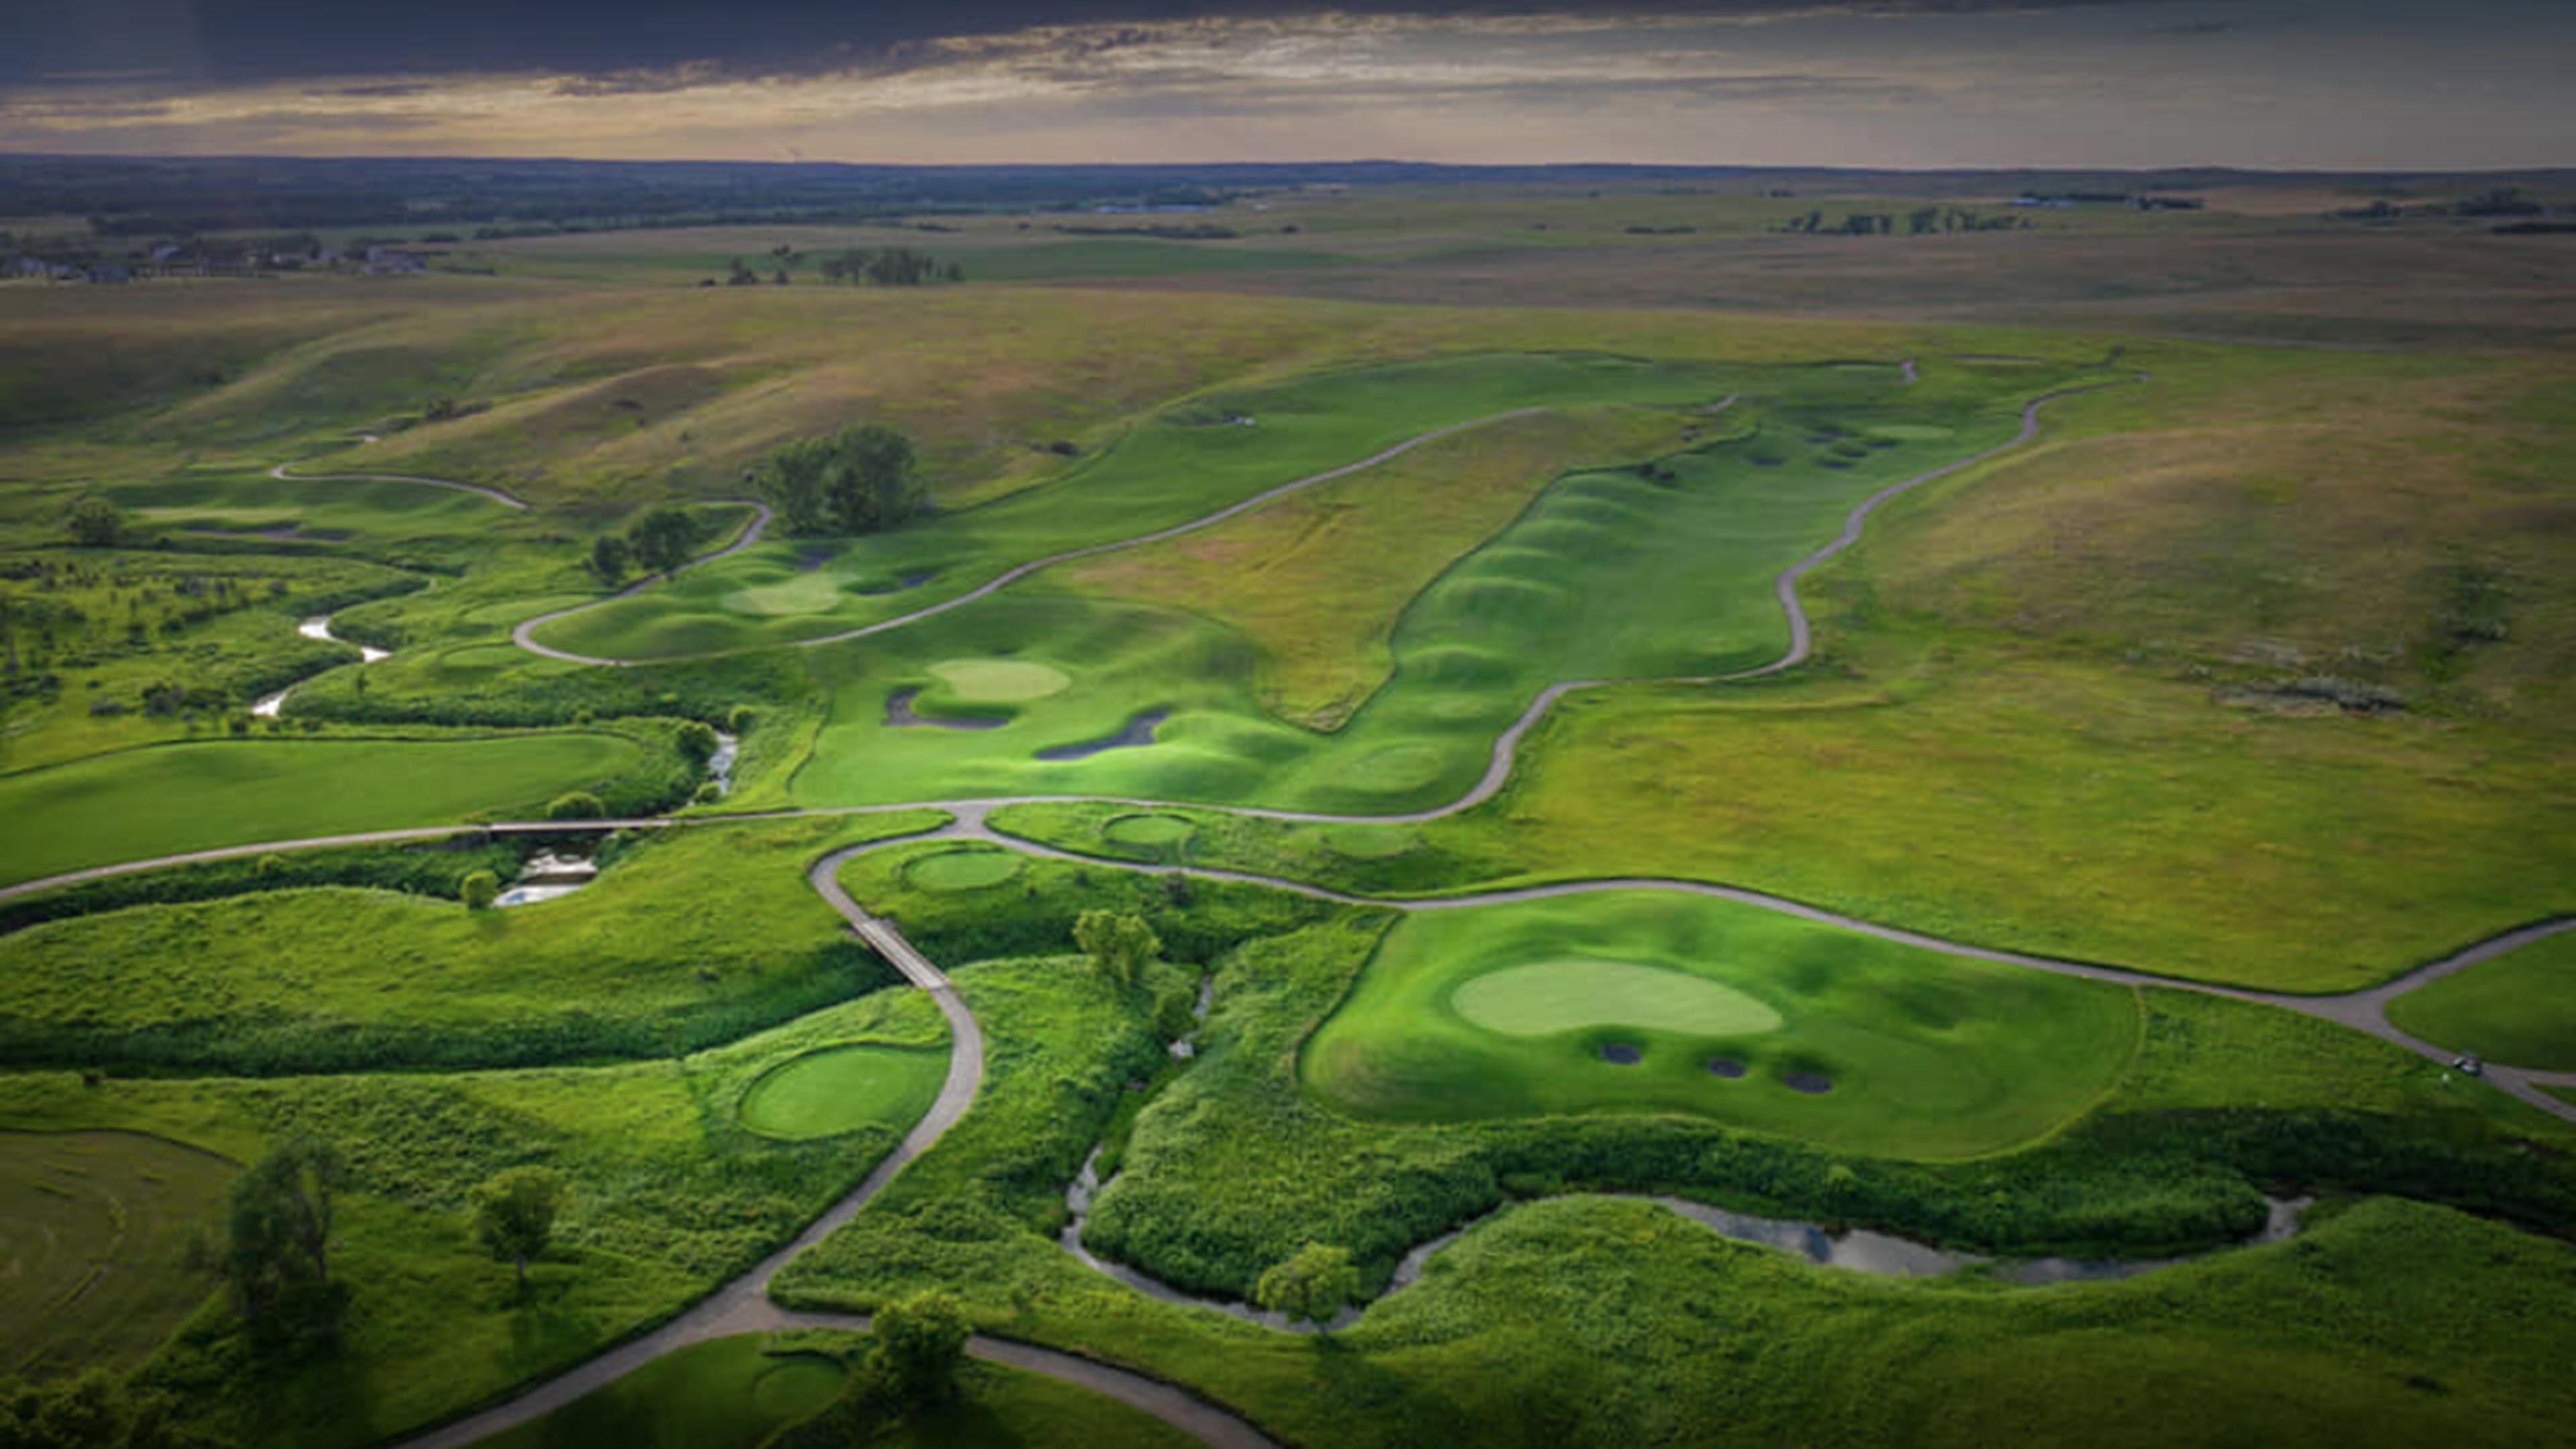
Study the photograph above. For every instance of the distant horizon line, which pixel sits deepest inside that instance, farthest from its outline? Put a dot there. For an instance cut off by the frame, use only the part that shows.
(1351, 163)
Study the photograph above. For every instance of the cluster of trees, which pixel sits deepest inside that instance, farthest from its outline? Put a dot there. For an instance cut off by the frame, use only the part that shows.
(659, 542)
(1120, 946)
(275, 1254)
(92, 1411)
(859, 480)
(890, 267)
(1921, 221)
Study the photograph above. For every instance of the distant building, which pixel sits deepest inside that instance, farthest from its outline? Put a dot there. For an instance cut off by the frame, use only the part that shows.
(393, 261)
(110, 274)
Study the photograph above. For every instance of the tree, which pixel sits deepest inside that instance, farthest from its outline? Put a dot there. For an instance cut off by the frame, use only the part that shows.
(697, 742)
(478, 889)
(576, 805)
(859, 480)
(610, 558)
(1119, 945)
(96, 523)
(277, 1251)
(916, 1345)
(514, 1215)
(1311, 1286)
(663, 539)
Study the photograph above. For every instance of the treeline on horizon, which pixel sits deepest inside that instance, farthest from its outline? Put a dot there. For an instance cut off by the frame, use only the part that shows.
(183, 196)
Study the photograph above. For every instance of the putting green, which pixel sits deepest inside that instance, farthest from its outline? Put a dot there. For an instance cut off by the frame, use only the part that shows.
(1552, 996)
(1620, 1001)
(839, 1089)
(999, 681)
(962, 870)
(1152, 830)
(810, 593)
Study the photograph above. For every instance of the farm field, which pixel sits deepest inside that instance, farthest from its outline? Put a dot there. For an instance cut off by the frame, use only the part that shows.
(1802, 838)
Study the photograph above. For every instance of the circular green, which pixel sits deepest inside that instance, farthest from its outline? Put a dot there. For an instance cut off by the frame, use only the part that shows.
(1396, 767)
(962, 870)
(1154, 830)
(824, 1093)
(999, 681)
(1543, 997)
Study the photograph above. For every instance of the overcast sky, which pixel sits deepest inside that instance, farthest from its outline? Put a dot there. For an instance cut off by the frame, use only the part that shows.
(2258, 83)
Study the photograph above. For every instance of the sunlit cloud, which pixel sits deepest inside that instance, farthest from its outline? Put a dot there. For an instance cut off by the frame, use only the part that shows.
(2250, 82)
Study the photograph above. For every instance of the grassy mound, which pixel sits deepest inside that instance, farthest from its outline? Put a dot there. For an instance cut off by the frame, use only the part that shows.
(838, 1089)
(732, 1393)
(1502, 1011)
(2519, 1009)
(94, 1229)
(971, 869)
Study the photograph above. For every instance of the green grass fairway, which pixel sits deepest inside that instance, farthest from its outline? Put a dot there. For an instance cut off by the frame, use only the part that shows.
(93, 1230)
(2518, 1009)
(1546, 997)
(1606, 573)
(837, 1089)
(1180, 464)
(353, 510)
(138, 803)
(971, 869)
(999, 681)
(1928, 1056)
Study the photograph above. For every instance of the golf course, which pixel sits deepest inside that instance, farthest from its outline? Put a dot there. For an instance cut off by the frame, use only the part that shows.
(1239, 847)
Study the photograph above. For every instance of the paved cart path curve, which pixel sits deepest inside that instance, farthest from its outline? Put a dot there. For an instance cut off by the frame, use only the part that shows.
(743, 1305)
(506, 500)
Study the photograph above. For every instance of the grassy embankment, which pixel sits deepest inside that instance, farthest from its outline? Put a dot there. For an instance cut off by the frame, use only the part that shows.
(652, 960)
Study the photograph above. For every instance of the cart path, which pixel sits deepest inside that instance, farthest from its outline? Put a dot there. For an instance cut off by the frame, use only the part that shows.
(523, 633)
(506, 500)
(524, 637)
(743, 1305)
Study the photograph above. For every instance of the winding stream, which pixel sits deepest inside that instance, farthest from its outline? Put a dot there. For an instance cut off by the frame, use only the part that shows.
(316, 627)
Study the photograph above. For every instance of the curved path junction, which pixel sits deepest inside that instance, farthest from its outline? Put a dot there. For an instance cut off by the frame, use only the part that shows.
(742, 1305)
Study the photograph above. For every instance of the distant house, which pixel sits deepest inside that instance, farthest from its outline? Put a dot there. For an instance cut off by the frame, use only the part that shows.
(110, 274)
(29, 267)
(393, 261)
(166, 251)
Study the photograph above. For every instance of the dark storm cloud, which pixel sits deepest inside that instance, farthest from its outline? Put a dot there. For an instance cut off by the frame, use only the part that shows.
(628, 42)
